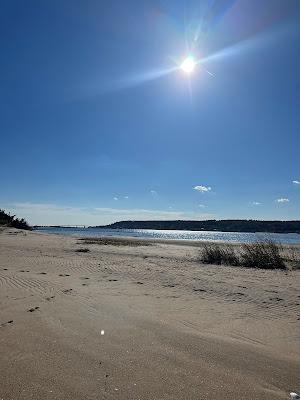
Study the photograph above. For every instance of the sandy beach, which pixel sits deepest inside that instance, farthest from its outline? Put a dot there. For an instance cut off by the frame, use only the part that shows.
(140, 321)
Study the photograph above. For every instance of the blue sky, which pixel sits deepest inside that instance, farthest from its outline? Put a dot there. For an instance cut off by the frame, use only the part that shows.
(98, 123)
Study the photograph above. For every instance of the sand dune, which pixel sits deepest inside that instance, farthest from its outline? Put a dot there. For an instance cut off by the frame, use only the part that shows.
(173, 328)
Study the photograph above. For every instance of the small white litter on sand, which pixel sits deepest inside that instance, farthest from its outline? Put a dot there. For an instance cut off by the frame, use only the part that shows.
(294, 396)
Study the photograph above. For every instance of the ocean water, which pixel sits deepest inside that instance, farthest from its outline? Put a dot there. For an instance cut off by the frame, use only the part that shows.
(285, 238)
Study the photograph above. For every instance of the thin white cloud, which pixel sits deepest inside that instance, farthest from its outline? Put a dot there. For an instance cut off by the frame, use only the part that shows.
(296, 182)
(53, 214)
(256, 203)
(153, 192)
(282, 200)
(202, 188)
(201, 205)
(126, 197)
(116, 198)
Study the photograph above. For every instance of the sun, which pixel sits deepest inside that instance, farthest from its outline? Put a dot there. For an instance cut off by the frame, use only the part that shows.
(188, 65)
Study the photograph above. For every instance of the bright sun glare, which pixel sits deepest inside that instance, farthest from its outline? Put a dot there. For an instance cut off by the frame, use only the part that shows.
(188, 65)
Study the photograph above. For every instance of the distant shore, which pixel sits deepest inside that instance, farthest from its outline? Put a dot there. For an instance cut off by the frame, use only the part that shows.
(141, 319)
(238, 226)
(223, 225)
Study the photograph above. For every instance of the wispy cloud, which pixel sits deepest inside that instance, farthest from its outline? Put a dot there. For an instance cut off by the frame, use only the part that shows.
(202, 188)
(116, 198)
(153, 192)
(296, 182)
(53, 214)
(256, 203)
(201, 205)
(283, 200)
(126, 197)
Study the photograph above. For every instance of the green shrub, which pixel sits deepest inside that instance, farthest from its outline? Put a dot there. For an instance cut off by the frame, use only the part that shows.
(10, 220)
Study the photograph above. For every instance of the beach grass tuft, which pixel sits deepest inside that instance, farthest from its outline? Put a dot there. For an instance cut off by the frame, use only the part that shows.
(264, 254)
(214, 253)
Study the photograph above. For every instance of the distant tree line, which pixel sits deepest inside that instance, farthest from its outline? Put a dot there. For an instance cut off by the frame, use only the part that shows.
(229, 225)
(10, 220)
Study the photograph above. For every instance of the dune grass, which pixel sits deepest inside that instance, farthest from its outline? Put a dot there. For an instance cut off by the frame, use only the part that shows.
(291, 255)
(264, 254)
(214, 253)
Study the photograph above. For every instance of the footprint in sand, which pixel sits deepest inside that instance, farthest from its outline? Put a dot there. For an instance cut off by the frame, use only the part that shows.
(67, 291)
(33, 309)
(63, 275)
(6, 323)
(276, 298)
(5, 269)
(50, 298)
(139, 283)
(43, 273)
(113, 280)
(199, 290)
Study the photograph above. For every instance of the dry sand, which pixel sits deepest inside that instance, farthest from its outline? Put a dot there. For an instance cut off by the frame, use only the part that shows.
(173, 328)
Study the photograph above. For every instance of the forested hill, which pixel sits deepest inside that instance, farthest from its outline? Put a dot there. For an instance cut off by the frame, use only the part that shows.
(212, 225)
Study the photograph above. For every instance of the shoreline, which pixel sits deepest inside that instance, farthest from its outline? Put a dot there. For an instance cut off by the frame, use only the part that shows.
(191, 242)
(173, 327)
